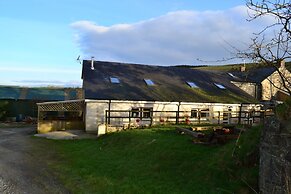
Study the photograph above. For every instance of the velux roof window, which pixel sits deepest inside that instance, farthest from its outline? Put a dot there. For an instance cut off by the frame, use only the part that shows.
(114, 80)
(231, 75)
(220, 86)
(192, 84)
(149, 82)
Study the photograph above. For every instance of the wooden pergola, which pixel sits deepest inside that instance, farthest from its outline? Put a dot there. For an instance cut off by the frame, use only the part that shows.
(46, 124)
(66, 106)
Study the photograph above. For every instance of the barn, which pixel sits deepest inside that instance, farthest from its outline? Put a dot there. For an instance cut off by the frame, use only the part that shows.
(19, 103)
(122, 95)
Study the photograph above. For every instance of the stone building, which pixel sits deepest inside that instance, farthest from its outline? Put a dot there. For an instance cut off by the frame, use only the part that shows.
(264, 83)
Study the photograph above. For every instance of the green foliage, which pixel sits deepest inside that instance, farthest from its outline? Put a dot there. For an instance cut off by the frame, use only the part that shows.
(283, 111)
(156, 160)
(248, 146)
(3, 109)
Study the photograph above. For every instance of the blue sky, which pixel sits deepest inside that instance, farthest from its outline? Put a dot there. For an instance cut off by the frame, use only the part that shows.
(40, 40)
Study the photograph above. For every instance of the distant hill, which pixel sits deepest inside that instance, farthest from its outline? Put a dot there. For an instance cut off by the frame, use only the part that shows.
(49, 93)
(234, 67)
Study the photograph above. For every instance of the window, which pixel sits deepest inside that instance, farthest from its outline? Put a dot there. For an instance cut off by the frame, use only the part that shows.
(141, 112)
(135, 112)
(114, 80)
(194, 113)
(192, 84)
(231, 75)
(147, 112)
(149, 82)
(220, 86)
(204, 113)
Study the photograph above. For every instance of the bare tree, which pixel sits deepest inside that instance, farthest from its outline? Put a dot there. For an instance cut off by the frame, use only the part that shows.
(271, 45)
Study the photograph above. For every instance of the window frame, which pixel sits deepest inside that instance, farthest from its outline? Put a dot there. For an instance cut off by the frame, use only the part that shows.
(147, 112)
(141, 112)
(135, 113)
(149, 82)
(114, 80)
(204, 113)
(194, 113)
(192, 84)
(220, 86)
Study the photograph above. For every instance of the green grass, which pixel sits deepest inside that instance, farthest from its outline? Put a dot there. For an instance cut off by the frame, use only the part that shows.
(156, 160)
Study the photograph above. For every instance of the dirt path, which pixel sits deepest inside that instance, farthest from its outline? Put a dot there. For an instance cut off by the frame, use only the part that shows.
(22, 170)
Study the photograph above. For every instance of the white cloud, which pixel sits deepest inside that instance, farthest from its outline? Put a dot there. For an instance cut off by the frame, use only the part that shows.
(175, 38)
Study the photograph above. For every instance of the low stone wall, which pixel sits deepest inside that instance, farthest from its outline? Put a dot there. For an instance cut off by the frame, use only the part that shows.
(275, 159)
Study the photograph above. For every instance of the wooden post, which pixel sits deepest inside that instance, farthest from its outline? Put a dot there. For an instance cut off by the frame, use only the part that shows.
(106, 120)
(178, 113)
(151, 123)
(109, 109)
(38, 119)
(239, 114)
(218, 117)
(141, 114)
(199, 116)
(106, 117)
(129, 118)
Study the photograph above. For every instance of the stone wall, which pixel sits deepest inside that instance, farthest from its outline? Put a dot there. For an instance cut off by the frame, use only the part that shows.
(275, 159)
(251, 88)
(274, 83)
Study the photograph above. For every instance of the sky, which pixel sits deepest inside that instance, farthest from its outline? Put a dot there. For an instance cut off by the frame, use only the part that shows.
(40, 40)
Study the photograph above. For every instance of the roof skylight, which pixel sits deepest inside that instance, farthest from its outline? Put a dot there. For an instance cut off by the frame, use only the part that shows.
(114, 80)
(231, 75)
(149, 82)
(192, 84)
(220, 86)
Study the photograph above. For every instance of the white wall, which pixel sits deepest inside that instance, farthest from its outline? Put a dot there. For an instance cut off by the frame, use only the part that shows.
(95, 115)
(96, 110)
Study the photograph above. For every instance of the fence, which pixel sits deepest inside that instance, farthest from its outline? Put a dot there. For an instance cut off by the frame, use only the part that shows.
(150, 117)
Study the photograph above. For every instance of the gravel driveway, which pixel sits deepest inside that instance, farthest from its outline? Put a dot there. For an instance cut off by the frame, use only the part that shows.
(22, 168)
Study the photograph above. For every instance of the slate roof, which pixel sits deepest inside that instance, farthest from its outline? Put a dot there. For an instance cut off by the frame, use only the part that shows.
(42, 94)
(253, 75)
(170, 83)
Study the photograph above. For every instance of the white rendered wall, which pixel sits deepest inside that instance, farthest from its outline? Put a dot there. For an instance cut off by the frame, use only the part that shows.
(96, 110)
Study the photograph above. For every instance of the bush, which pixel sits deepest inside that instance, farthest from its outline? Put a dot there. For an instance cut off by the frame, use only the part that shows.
(3, 109)
(283, 111)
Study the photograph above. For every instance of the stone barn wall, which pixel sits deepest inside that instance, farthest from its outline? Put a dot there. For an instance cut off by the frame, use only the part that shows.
(272, 84)
(251, 88)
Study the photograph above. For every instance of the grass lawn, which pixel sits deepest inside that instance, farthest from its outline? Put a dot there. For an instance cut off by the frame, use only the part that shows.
(156, 160)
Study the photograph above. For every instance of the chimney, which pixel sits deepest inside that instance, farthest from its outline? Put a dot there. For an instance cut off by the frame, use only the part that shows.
(92, 63)
(243, 68)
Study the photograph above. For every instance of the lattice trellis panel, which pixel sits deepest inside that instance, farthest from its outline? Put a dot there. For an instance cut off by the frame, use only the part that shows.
(62, 106)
